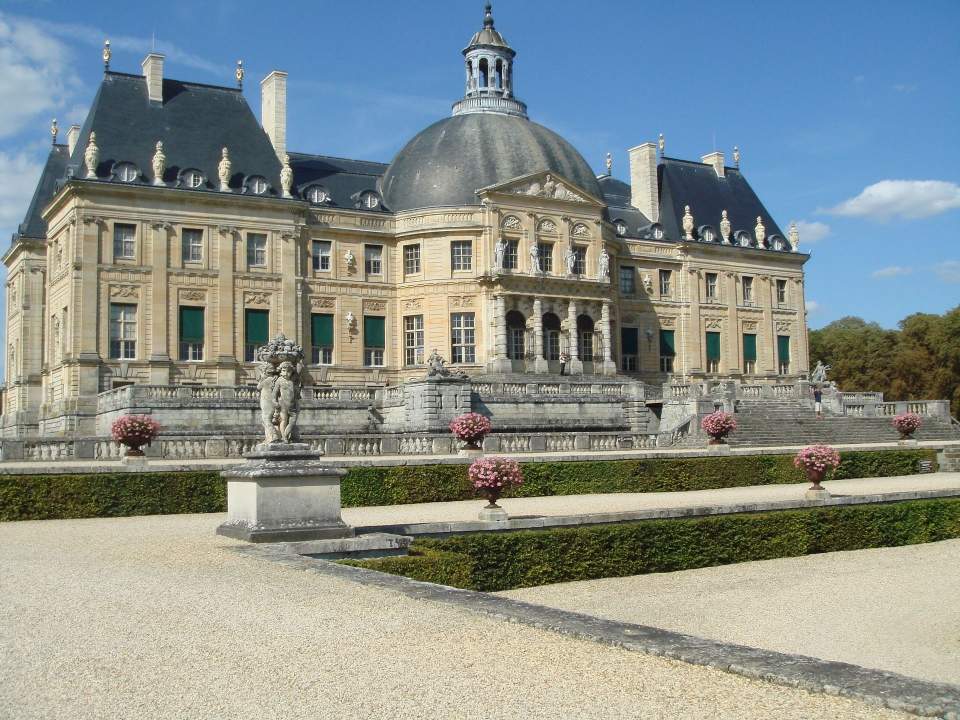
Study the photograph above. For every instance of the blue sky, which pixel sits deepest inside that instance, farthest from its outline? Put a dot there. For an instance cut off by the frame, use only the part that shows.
(847, 114)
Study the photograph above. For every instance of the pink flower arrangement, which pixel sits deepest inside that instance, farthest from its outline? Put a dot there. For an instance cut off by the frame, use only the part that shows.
(718, 424)
(492, 476)
(134, 431)
(471, 427)
(817, 458)
(907, 423)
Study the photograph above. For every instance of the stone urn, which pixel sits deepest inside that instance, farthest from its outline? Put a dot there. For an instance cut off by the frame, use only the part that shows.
(491, 511)
(472, 448)
(816, 491)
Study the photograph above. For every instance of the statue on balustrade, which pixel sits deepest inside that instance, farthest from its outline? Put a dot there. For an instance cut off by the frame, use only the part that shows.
(437, 368)
(819, 374)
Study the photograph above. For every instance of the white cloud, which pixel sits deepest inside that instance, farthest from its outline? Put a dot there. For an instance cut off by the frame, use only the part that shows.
(892, 271)
(812, 232)
(813, 306)
(905, 88)
(37, 76)
(904, 198)
(948, 271)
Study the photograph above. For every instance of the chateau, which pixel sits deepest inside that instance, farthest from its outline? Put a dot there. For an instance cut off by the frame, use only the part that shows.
(173, 234)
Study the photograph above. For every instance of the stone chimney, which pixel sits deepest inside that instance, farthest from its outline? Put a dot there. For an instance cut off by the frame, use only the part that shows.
(643, 180)
(273, 110)
(715, 159)
(153, 72)
(72, 135)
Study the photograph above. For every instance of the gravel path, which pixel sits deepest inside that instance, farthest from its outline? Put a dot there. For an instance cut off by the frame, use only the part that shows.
(892, 609)
(622, 502)
(155, 617)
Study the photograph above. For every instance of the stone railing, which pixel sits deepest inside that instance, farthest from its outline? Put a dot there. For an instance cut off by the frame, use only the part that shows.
(147, 395)
(924, 408)
(549, 389)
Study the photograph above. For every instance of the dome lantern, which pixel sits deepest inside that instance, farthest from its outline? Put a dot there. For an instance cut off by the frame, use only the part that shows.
(488, 62)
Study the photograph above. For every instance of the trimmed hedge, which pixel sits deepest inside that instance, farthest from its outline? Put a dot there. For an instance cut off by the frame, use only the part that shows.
(45, 497)
(502, 561)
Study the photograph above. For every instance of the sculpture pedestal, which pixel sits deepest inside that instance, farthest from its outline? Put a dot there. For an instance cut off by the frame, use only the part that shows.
(283, 494)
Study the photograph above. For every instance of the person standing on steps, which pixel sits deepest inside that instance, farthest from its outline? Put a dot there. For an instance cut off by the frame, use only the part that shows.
(818, 402)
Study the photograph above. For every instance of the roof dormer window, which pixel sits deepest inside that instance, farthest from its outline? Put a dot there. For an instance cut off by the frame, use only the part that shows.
(370, 200)
(657, 231)
(126, 172)
(191, 178)
(621, 227)
(317, 195)
(257, 185)
(707, 234)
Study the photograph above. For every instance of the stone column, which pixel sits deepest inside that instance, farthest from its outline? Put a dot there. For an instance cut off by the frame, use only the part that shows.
(88, 309)
(227, 359)
(159, 333)
(574, 364)
(539, 361)
(608, 367)
(501, 363)
(734, 344)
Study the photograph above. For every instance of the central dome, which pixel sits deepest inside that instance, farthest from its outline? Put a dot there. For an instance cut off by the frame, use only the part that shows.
(448, 162)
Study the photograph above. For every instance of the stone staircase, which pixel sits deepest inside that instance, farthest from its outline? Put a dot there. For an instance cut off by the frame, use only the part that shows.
(781, 422)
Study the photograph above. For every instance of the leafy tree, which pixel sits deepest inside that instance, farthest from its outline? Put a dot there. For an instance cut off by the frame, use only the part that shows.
(920, 360)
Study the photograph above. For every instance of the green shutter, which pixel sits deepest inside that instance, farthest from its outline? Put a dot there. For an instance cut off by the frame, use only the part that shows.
(191, 324)
(373, 332)
(257, 327)
(628, 341)
(667, 348)
(713, 346)
(750, 348)
(322, 330)
(783, 349)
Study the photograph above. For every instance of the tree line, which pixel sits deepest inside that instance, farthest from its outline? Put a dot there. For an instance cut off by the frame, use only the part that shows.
(918, 361)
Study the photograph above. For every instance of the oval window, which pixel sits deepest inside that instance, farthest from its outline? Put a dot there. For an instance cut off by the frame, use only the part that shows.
(257, 185)
(126, 172)
(317, 195)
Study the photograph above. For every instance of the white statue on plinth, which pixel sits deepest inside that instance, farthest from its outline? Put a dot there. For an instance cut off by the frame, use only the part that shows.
(603, 266)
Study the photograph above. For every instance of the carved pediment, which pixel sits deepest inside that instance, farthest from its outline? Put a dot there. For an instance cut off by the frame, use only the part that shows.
(545, 185)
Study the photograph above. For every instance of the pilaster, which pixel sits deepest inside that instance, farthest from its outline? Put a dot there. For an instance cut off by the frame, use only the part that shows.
(539, 361)
(227, 358)
(160, 301)
(501, 363)
(734, 342)
(574, 365)
(693, 343)
(607, 367)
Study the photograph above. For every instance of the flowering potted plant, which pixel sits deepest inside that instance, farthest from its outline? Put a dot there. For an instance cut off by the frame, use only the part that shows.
(907, 424)
(491, 477)
(134, 431)
(718, 425)
(816, 460)
(471, 428)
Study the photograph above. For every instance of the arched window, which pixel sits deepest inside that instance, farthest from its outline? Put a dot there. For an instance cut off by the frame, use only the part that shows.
(585, 338)
(498, 77)
(470, 82)
(484, 74)
(551, 336)
(516, 330)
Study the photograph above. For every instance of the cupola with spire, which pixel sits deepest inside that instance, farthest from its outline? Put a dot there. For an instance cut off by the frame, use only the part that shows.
(489, 68)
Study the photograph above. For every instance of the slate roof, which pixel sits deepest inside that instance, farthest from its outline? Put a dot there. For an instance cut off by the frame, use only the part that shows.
(445, 164)
(33, 225)
(343, 179)
(194, 121)
(683, 182)
(617, 195)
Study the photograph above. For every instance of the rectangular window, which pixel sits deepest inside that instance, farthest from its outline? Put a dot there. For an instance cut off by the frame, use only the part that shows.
(191, 241)
(373, 259)
(321, 256)
(321, 339)
(463, 338)
(713, 352)
(413, 340)
(783, 354)
(191, 333)
(256, 250)
(123, 332)
(374, 340)
(545, 251)
(461, 255)
(665, 283)
(749, 353)
(552, 344)
(516, 337)
(667, 351)
(579, 260)
(411, 259)
(781, 292)
(628, 280)
(124, 241)
(711, 286)
(256, 332)
(747, 290)
(585, 338)
(510, 255)
(629, 349)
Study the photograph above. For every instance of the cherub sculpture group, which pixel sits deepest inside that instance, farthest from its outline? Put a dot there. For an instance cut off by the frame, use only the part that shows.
(279, 384)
